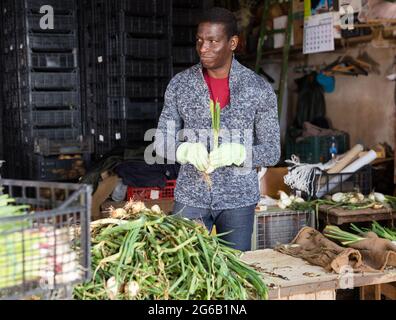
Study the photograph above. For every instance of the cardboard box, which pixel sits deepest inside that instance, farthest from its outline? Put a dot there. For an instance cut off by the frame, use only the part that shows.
(272, 182)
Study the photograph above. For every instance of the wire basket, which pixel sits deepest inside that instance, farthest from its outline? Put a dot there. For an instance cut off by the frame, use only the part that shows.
(45, 250)
(360, 181)
(277, 226)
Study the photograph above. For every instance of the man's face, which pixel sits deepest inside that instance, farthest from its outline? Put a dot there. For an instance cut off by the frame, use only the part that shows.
(213, 46)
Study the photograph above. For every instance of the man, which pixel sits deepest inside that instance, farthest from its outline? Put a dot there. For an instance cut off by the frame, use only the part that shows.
(248, 108)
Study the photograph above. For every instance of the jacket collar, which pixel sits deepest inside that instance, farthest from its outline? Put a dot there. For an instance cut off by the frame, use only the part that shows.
(235, 70)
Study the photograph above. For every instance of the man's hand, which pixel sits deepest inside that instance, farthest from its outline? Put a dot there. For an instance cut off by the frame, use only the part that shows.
(194, 153)
(227, 154)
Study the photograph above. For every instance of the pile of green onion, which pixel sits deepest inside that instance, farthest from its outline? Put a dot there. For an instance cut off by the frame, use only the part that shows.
(141, 253)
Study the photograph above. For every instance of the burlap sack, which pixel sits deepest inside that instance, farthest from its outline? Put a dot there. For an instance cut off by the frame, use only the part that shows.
(370, 255)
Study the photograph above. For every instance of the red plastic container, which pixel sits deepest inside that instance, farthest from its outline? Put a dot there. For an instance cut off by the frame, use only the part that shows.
(152, 193)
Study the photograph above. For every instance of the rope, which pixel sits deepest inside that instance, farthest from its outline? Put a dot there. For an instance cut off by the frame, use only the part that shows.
(301, 176)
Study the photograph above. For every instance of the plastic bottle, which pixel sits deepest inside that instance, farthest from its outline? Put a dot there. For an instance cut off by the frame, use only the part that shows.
(333, 148)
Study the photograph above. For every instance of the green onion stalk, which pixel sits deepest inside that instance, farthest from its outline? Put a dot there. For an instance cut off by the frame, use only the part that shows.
(215, 113)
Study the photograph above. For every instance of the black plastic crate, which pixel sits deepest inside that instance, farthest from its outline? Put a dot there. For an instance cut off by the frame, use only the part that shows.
(184, 35)
(186, 55)
(137, 130)
(140, 25)
(187, 3)
(137, 89)
(62, 23)
(143, 7)
(142, 89)
(57, 169)
(140, 68)
(186, 17)
(124, 108)
(51, 99)
(53, 60)
(49, 41)
(139, 48)
(315, 149)
(58, 133)
(54, 80)
(48, 147)
(58, 5)
(71, 118)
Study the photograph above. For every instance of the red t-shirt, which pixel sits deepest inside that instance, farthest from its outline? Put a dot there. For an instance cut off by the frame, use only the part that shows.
(219, 89)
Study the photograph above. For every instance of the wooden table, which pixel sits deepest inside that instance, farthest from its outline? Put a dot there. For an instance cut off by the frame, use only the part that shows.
(292, 278)
(338, 216)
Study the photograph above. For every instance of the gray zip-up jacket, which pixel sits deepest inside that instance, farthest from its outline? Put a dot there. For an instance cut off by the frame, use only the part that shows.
(252, 113)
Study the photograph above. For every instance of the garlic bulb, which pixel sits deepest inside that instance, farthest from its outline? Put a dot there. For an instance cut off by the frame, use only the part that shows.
(371, 196)
(156, 209)
(379, 197)
(360, 196)
(299, 200)
(132, 289)
(338, 197)
(135, 206)
(283, 195)
(287, 202)
(112, 288)
(118, 213)
(281, 205)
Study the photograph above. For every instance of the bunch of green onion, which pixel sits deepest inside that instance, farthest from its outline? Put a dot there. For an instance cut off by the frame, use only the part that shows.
(380, 231)
(215, 113)
(346, 238)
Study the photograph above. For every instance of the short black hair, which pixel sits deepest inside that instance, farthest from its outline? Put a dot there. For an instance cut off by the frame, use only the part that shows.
(223, 16)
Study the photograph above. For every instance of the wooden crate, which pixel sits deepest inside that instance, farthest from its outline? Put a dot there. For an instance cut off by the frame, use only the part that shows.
(376, 292)
(318, 295)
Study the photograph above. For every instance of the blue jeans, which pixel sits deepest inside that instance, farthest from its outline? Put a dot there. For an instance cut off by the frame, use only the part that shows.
(239, 221)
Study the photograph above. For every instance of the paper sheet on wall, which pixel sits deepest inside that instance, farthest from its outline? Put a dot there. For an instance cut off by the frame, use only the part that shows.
(319, 33)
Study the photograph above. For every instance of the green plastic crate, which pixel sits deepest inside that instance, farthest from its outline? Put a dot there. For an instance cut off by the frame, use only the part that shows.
(316, 149)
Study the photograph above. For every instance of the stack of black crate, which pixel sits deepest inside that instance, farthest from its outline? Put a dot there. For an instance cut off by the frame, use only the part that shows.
(186, 14)
(128, 53)
(11, 122)
(139, 65)
(93, 44)
(42, 96)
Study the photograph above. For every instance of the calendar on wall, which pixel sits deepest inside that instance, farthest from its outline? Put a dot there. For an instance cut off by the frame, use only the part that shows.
(319, 33)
